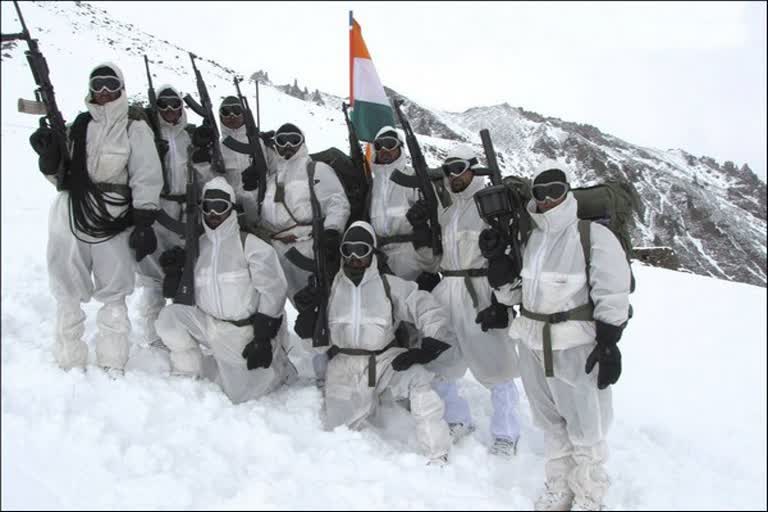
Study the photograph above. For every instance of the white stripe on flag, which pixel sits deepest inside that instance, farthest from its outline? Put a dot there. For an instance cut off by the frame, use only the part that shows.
(367, 84)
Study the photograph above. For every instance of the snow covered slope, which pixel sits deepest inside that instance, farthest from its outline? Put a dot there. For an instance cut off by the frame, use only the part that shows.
(690, 406)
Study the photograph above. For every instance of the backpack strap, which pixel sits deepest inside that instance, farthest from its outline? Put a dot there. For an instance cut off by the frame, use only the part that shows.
(585, 236)
(388, 293)
(243, 236)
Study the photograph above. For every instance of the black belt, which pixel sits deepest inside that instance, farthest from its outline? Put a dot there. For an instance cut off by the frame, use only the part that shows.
(334, 350)
(115, 188)
(241, 323)
(176, 198)
(468, 274)
(395, 239)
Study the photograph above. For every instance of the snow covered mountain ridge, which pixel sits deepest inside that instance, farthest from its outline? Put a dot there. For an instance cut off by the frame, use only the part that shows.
(712, 214)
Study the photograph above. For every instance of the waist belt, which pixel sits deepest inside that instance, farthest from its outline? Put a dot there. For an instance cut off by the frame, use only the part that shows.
(468, 274)
(334, 350)
(395, 239)
(115, 188)
(176, 198)
(582, 313)
(241, 323)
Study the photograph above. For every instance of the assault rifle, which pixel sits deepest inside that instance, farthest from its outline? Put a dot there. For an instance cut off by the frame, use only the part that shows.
(499, 205)
(427, 182)
(45, 99)
(186, 292)
(160, 143)
(360, 162)
(320, 278)
(253, 147)
(205, 110)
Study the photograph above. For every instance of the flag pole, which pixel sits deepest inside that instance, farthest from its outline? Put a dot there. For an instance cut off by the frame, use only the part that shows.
(351, 61)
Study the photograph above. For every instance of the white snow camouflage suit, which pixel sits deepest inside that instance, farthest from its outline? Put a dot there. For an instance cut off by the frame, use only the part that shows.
(389, 204)
(569, 407)
(122, 153)
(275, 218)
(232, 281)
(150, 274)
(492, 355)
(361, 317)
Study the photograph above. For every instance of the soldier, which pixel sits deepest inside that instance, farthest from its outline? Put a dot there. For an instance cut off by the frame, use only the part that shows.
(114, 181)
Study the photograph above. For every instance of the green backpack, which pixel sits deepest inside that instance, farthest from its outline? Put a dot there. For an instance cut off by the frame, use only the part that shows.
(609, 204)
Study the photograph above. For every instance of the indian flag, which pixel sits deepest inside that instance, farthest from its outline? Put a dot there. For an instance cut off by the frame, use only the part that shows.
(370, 106)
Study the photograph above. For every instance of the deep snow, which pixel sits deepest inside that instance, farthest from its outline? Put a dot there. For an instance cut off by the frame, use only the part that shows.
(690, 408)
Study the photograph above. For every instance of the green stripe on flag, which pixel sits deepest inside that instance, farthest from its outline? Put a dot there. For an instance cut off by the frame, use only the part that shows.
(369, 118)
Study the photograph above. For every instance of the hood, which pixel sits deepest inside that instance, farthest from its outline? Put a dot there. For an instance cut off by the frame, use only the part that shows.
(549, 163)
(366, 226)
(385, 129)
(183, 120)
(558, 218)
(113, 111)
(219, 183)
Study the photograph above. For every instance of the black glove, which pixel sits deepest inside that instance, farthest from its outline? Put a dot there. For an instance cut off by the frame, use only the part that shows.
(251, 175)
(332, 256)
(258, 353)
(162, 148)
(43, 141)
(495, 316)
(430, 349)
(606, 353)
(418, 214)
(202, 136)
(172, 263)
(427, 281)
(501, 271)
(491, 244)
(143, 238)
(305, 323)
(201, 155)
(268, 138)
(265, 326)
(307, 298)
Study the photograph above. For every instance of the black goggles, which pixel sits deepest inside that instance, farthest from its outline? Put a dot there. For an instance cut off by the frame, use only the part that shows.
(105, 83)
(231, 111)
(554, 191)
(458, 166)
(386, 142)
(216, 206)
(292, 139)
(168, 103)
(357, 250)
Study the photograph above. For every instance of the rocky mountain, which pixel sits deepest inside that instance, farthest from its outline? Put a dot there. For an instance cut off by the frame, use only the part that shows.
(712, 214)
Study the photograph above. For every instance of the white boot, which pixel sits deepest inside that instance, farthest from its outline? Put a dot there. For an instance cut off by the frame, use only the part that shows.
(439, 462)
(459, 431)
(554, 497)
(504, 448)
(586, 503)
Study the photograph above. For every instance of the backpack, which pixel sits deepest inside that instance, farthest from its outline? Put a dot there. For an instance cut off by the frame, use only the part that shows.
(354, 182)
(609, 204)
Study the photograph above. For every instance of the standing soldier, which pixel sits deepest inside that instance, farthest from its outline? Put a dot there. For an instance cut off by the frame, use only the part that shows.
(575, 304)
(464, 291)
(114, 181)
(176, 136)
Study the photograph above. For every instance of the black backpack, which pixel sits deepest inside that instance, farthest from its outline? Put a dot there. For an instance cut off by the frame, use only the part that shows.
(353, 181)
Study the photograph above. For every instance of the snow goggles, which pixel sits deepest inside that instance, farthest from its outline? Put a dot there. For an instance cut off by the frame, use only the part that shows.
(458, 166)
(554, 190)
(387, 142)
(357, 250)
(109, 83)
(291, 139)
(216, 206)
(231, 111)
(168, 103)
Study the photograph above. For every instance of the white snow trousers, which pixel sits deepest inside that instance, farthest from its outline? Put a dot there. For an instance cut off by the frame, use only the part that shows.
(505, 400)
(184, 328)
(79, 271)
(575, 417)
(351, 402)
(150, 273)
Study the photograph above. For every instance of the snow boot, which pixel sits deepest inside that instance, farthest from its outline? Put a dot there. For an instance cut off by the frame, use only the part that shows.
(504, 448)
(439, 462)
(554, 498)
(458, 431)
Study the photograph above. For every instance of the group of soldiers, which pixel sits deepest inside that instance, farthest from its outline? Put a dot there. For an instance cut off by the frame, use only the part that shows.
(403, 322)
